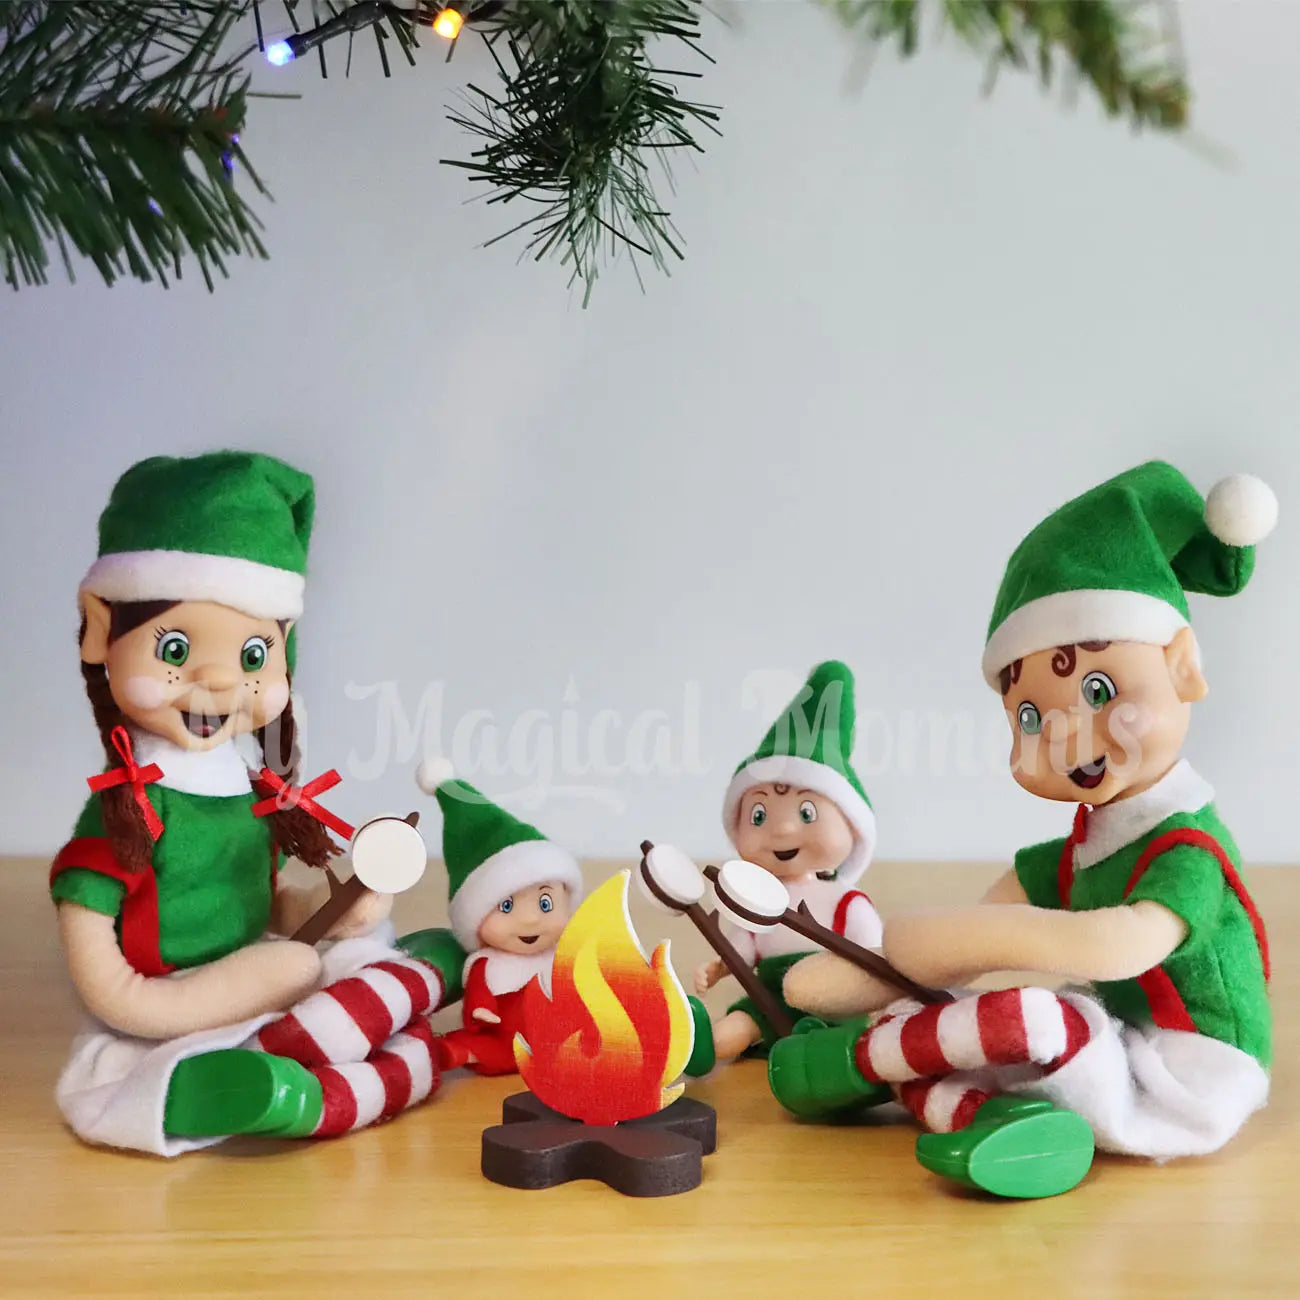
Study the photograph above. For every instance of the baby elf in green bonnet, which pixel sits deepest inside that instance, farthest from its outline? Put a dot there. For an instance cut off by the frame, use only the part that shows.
(796, 808)
(187, 642)
(1091, 650)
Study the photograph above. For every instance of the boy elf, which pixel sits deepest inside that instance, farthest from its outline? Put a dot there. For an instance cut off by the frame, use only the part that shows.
(511, 893)
(796, 808)
(1091, 649)
(187, 642)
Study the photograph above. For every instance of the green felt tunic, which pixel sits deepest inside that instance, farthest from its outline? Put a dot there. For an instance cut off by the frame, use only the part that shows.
(1217, 969)
(771, 973)
(213, 865)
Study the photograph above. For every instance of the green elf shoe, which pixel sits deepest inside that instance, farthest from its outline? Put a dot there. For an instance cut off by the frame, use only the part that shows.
(219, 1094)
(813, 1073)
(1017, 1147)
(703, 1054)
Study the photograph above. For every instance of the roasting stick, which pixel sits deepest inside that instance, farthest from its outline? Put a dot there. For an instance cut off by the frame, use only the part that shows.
(388, 856)
(673, 881)
(756, 899)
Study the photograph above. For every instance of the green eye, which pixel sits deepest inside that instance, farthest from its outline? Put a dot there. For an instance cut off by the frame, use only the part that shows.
(1098, 690)
(757, 815)
(807, 812)
(173, 648)
(253, 655)
(1030, 720)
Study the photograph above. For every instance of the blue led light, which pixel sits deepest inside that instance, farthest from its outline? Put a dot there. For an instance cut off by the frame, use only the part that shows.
(279, 54)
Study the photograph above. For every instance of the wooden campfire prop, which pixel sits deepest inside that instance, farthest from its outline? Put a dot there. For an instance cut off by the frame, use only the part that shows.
(601, 1052)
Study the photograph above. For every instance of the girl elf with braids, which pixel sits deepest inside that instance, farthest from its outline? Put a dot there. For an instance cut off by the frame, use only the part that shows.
(204, 1022)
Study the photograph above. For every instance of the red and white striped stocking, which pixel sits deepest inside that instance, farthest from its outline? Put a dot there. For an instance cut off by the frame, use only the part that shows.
(358, 1093)
(942, 1105)
(347, 1020)
(1029, 1026)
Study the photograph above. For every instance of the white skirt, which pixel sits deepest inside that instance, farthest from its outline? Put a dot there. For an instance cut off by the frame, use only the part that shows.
(113, 1090)
(1152, 1092)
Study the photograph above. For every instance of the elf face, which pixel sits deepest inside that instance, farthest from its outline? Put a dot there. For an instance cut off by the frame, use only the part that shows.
(196, 675)
(791, 832)
(528, 922)
(1099, 721)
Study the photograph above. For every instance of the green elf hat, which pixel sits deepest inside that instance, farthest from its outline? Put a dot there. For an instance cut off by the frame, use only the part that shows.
(1115, 564)
(231, 527)
(809, 746)
(489, 854)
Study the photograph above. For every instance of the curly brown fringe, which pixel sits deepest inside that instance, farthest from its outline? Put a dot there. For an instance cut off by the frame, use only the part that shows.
(294, 832)
(1010, 675)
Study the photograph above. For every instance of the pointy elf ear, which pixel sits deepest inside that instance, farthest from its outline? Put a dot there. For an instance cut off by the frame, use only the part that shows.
(1183, 658)
(94, 637)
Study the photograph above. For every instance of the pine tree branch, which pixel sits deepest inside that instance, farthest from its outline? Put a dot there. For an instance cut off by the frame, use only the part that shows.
(582, 115)
(119, 137)
(1130, 62)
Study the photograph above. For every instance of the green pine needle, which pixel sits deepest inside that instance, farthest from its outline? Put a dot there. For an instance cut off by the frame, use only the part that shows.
(118, 139)
(583, 114)
(1114, 45)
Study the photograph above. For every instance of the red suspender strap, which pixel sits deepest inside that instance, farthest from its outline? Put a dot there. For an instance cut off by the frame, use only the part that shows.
(139, 905)
(842, 909)
(1202, 840)
(1065, 868)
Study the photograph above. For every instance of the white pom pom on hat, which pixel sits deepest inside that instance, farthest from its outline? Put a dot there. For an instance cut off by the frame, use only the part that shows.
(1241, 510)
(432, 773)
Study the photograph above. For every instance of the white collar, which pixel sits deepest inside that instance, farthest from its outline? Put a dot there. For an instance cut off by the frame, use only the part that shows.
(1114, 825)
(219, 772)
(509, 971)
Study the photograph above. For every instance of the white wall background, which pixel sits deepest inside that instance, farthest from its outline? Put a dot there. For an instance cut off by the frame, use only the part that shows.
(911, 321)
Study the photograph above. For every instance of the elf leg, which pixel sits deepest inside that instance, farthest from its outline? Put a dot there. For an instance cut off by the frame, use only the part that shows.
(480, 1050)
(1008, 1145)
(399, 1075)
(1159, 1093)
(350, 1018)
(943, 1105)
(274, 1087)
(1025, 1026)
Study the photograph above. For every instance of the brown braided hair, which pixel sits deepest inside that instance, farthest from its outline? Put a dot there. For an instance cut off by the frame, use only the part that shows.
(294, 832)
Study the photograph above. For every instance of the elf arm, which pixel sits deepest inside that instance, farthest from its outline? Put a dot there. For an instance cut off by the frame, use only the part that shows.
(1006, 889)
(479, 998)
(708, 973)
(1110, 943)
(252, 981)
(832, 988)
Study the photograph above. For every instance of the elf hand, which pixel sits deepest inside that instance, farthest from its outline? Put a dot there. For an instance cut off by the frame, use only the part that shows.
(369, 911)
(486, 1016)
(834, 989)
(252, 981)
(707, 974)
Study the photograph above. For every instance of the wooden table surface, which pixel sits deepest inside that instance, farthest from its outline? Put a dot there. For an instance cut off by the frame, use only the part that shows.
(786, 1209)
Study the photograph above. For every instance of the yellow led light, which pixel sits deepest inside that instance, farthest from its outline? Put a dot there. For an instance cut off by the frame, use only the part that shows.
(448, 24)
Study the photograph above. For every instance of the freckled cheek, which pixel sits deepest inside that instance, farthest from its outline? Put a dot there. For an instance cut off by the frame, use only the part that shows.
(145, 693)
(272, 698)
